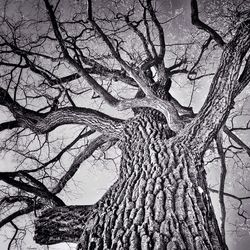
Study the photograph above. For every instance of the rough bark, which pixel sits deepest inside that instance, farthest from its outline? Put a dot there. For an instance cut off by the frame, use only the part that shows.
(60, 223)
(160, 200)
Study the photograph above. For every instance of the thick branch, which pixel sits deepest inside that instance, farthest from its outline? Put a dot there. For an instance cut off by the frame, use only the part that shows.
(244, 78)
(165, 107)
(222, 92)
(9, 125)
(73, 115)
(61, 224)
(222, 183)
(44, 123)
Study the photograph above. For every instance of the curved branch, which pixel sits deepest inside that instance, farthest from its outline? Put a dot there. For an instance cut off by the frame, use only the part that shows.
(73, 115)
(200, 25)
(16, 214)
(39, 189)
(14, 235)
(45, 122)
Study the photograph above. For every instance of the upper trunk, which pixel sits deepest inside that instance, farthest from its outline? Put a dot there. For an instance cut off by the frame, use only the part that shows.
(160, 200)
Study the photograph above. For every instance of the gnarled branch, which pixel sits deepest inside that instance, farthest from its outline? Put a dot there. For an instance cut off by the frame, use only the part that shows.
(201, 25)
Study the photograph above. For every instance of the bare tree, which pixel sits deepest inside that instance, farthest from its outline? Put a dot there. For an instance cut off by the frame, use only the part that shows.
(63, 67)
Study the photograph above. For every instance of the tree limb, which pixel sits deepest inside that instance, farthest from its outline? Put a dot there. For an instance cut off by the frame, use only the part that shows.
(39, 189)
(160, 31)
(9, 125)
(244, 78)
(222, 184)
(61, 224)
(240, 199)
(201, 25)
(45, 122)
(88, 151)
(14, 235)
(16, 214)
(223, 90)
(236, 139)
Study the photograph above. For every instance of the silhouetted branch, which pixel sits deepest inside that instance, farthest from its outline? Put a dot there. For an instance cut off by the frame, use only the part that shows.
(88, 151)
(14, 235)
(38, 189)
(9, 125)
(16, 214)
(236, 139)
(201, 25)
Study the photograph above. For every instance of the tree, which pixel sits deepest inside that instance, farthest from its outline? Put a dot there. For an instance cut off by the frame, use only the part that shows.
(161, 198)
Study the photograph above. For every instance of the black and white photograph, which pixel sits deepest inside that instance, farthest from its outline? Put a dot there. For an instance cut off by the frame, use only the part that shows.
(124, 124)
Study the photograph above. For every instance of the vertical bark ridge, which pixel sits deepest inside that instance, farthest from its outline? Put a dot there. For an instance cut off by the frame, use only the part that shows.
(159, 201)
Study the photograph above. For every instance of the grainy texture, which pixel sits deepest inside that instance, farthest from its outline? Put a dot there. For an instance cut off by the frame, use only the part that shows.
(160, 200)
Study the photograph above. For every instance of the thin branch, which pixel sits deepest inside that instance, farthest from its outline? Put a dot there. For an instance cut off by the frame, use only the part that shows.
(15, 215)
(152, 13)
(203, 48)
(91, 81)
(140, 35)
(88, 151)
(240, 199)
(14, 235)
(236, 139)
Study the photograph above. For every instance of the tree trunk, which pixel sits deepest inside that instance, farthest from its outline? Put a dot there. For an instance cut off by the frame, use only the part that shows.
(160, 200)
